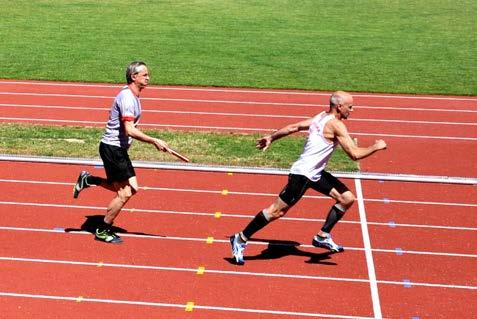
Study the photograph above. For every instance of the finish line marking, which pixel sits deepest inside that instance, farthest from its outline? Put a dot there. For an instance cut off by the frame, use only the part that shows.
(368, 252)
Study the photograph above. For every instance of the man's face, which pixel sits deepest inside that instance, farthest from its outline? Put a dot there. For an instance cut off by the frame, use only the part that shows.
(142, 77)
(346, 108)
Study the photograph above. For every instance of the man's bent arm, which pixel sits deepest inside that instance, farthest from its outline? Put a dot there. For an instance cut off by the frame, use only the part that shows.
(143, 137)
(355, 152)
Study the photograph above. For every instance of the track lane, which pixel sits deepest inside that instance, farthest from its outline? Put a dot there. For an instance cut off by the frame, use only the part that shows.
(421, 302)
(174, 287)
(296, 96)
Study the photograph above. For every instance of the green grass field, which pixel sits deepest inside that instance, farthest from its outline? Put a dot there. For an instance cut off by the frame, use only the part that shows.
(201, 148)
(381, 46)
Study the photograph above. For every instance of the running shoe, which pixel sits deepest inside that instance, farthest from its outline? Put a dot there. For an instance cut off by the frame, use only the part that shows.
(238, 246)
(326, 242)
(80, 183)
(108, 236)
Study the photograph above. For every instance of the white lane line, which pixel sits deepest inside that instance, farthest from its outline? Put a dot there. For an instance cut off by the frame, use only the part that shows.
(412, 122)
(111, 97)
(242, 170)
(416, 136)
(244, 90)
(229, 192)
(254, 115)
(183, 306)
(413, 109)
(182, 269)
(415, 252)
(399, 201)
(324, 106)
(227, 272)
(368, 252)
(229, 128)
(26, 119)
(226, 241)
(174, 212)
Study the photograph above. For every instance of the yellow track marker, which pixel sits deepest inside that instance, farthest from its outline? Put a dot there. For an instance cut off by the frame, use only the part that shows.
(100, 264)
(209, 240)
(218, 214)
(225, 192)
(230, 173)
(79, 299)
(189, 306)
(201, 270)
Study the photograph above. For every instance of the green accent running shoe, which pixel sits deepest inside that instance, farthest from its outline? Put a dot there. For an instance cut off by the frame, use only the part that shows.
(108, 236)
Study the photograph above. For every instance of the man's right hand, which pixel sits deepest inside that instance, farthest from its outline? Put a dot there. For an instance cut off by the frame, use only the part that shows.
(264, 142)
(380, 145)
(160, 144)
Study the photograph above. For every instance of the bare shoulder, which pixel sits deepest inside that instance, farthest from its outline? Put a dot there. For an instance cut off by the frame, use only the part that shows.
(336, 126)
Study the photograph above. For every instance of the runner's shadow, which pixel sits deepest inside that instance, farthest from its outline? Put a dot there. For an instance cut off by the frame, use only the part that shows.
(281, 248)
(92, 222)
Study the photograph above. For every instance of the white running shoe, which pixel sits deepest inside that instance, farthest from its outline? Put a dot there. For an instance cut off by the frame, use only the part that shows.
(326, 242)
(238, 246)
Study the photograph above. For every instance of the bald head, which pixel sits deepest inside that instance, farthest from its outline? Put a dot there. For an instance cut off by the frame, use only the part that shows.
(340, 98)
(341, 104)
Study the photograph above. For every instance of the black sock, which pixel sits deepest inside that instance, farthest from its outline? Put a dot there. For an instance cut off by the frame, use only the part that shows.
(93, 180)
(102, 225)
(255, 225)
(333, 217)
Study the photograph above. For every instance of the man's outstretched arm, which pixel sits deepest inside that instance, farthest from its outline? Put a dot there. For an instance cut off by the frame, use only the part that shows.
(264, 142)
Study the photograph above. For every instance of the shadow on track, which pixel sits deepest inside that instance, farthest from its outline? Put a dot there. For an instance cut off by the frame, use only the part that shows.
(93, 221)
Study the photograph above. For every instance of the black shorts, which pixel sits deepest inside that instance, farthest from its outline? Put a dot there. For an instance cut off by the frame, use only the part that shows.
(116, 162)
(298, 184)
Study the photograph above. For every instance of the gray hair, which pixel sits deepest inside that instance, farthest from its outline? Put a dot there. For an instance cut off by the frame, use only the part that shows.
(338, 98)
(133, 68)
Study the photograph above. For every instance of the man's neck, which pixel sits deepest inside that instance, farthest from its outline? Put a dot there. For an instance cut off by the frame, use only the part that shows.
(135, 89)
(335, 113)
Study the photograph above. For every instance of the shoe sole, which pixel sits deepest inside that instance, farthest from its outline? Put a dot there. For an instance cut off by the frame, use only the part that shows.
(75, 193)
(320, 245)
(115, 242)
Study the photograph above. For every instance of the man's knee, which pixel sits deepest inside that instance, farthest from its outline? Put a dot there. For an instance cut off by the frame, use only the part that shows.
(126, 193)
(346, 199)
(275, 211)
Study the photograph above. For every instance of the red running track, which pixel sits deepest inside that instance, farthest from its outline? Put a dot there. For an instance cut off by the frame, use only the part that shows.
(426, 135)
(422, 238)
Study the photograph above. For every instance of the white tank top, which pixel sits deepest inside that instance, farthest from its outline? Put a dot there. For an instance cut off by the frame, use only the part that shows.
(317, 150)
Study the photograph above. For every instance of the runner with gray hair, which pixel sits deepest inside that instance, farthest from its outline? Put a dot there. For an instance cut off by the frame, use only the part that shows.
(120, 131)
